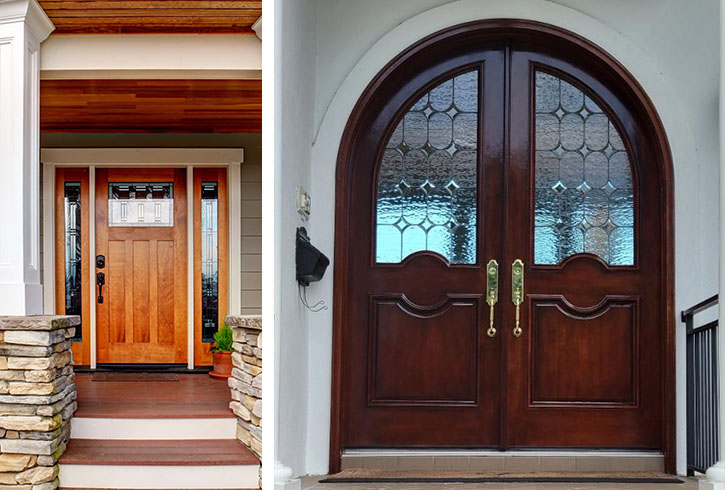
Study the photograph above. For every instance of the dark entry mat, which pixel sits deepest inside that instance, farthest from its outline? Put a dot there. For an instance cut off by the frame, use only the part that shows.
(373, 476)
(135, 377)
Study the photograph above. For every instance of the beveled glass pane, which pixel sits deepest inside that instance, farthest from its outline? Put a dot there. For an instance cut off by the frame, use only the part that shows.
(141, 204)
(73, 255)
(209, 260)
(427, 181)
(584, 197)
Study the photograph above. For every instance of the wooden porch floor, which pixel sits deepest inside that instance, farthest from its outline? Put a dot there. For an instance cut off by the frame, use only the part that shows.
(193, 396)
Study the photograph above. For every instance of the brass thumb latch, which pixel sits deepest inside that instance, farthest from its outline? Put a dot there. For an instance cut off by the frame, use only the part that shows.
(491, 293)
(517, 292)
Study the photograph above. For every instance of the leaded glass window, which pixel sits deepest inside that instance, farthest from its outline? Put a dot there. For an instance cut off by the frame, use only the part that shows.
(209, 260)
(584, 190)
(427, 181)
(141, 204)
(73, 256)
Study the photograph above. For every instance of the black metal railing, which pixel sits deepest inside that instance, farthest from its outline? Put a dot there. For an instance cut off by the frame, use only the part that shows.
(702, 389)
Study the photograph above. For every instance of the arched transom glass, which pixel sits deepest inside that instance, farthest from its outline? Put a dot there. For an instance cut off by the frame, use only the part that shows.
(427, 181)
(584, 192)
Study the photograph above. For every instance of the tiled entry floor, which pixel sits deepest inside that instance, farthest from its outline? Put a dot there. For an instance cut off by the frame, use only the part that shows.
(312, 482)
(193, 396)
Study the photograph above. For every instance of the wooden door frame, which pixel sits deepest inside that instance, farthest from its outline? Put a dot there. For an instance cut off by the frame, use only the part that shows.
(491, 31)
(188, 158)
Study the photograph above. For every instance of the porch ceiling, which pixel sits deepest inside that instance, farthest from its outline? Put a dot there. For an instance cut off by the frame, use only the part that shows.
(151, 106)
(152, 16)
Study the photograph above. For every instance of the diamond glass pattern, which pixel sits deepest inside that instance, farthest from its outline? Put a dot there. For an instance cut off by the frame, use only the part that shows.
(427, 183)
(584, 191)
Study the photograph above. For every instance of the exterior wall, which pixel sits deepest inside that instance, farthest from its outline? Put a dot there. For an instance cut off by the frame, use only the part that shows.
(294, 60)
(671, 48)
(251, 238)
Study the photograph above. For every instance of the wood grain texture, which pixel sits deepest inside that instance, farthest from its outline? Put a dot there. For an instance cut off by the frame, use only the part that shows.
(151, 106)
(82, 349)
(152, 17)
(648, 424)
(202, 354)
(143, 316)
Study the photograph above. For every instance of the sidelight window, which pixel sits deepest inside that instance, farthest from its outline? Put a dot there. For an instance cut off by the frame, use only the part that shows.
(584, 191)
(73, 257)
(209, 260)
(427, 181)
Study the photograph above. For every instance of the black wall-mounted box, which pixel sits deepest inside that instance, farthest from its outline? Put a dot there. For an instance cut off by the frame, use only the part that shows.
(311, 263)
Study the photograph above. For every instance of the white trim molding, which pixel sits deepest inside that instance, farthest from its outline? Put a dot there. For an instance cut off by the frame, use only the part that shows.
(188, 158)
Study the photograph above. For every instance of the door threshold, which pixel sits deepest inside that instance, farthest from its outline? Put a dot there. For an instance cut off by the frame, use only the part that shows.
(517, 460)
(142, 368)
(453, 452)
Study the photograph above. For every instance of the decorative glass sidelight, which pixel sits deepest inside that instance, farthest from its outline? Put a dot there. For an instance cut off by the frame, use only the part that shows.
(209, 260)
(73, 253)
(427, 181)
(141, 204)
(584, 191)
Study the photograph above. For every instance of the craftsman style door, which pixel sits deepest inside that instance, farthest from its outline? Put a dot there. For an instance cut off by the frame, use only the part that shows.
(510, 293)
(141, 253)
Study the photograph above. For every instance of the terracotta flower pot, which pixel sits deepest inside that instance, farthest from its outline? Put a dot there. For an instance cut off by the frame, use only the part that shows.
(222, 365)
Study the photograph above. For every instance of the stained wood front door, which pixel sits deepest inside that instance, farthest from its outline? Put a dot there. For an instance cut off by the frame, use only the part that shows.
(465, 154)
(141, 231)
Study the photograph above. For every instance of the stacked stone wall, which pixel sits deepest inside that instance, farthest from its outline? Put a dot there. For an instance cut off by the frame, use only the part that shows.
(246, 379)
(37, 399)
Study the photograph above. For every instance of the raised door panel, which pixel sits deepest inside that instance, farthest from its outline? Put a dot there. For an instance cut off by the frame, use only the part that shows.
(423, 356)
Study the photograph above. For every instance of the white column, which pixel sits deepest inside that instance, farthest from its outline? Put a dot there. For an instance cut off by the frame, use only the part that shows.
(23, 26)
(716, 474)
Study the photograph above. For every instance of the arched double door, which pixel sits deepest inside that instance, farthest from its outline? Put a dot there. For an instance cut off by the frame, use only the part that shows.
(501, 251)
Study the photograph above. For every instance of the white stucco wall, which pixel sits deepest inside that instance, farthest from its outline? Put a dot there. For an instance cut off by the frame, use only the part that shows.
(671, 47)
(294, 104)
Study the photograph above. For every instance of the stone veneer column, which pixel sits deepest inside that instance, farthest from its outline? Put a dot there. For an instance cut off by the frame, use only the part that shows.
(37, 399)
(23, 26)
(246, 380)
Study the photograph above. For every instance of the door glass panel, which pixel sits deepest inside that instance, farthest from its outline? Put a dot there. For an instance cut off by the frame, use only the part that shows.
(141, 204)
(209, 260)
(427, 181)
(584, 196)
(73, 270)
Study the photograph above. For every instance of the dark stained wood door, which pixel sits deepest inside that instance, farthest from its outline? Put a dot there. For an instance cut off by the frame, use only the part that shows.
(421, 369)
(553, 168)
(585, 213)
(143, 316)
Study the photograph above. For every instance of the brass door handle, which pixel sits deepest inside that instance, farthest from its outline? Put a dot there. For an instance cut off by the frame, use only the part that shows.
(517, 292)
(491, 293)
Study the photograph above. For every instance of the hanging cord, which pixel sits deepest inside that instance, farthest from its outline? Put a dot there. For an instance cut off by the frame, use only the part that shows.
(319, 306)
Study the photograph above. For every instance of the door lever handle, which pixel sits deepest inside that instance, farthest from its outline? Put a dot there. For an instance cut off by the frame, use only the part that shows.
(517, 292)
(100, 280)
(491, 293)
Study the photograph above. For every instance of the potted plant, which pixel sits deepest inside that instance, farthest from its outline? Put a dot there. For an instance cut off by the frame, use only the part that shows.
(222, 351)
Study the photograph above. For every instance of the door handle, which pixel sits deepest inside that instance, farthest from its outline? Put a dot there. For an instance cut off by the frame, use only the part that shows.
(491, 293)
(100, 280)
(517, 292)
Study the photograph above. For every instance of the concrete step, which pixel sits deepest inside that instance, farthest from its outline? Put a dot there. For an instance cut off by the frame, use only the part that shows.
(158, 464)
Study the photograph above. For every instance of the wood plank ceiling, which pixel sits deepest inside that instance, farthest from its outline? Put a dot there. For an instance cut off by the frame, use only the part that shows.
(151, 106)
(152, 16)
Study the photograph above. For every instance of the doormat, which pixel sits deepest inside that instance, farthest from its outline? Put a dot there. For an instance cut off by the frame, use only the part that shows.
(134, 377)
(377, 476)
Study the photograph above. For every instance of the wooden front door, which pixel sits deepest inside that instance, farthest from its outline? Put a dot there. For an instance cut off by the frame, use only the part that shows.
(509, 150)
(141, 231)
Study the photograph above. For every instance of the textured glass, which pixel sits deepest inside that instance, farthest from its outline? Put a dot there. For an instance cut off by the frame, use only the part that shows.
(73, 270)
(427, 183)
(584, 193)
(209, 261)
(141, 204)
